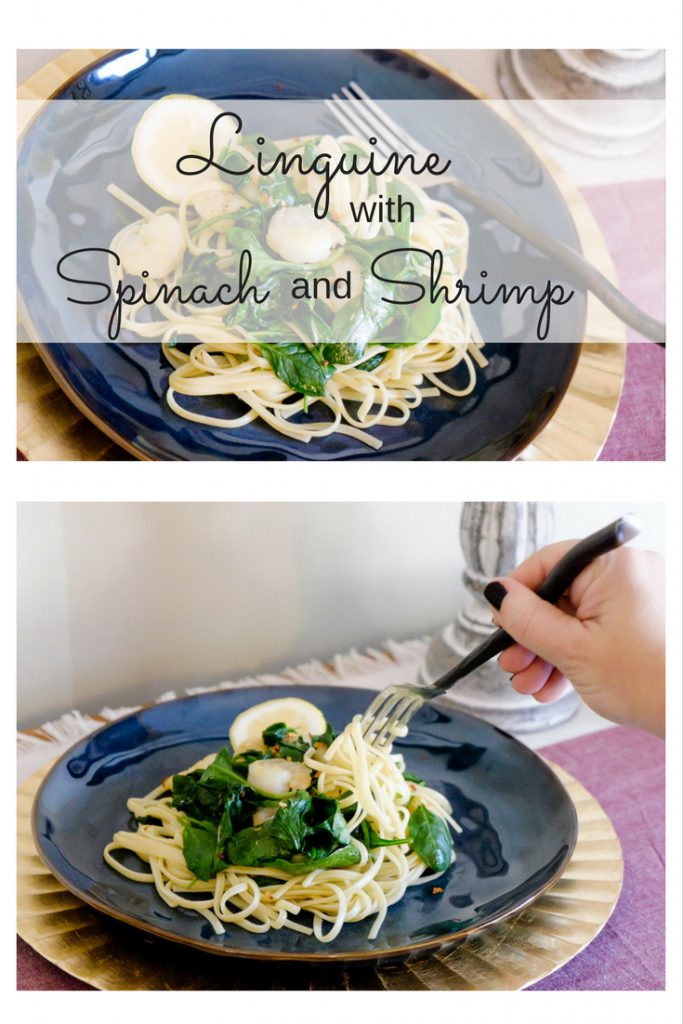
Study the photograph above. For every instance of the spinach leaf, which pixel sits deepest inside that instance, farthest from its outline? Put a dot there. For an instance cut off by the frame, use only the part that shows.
(372, 839)
(373, 362)
(343, 352)
(237, 163)
(204, 795)
(277, 190)
(430, 838)
(238, 807)
(423, 319)
(325, 737)
(263, 264)
(289, 825)
(196, 800)
(257, 318)
(275, 736)
(347, 352)
(253, 846)
(341, 858)
(200, 848)
(245, 758)
(361, 319)
(253, 218)
(201, 270)
(184, 788)
(315, 327)
(297, 366)
(398, 190)
(221, 771)
(365, 251)
(327, 817)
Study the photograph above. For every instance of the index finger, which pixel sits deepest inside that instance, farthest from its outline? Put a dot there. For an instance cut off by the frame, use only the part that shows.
(533, 570)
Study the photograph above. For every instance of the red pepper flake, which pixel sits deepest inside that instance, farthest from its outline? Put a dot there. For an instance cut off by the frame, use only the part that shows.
(436, 890)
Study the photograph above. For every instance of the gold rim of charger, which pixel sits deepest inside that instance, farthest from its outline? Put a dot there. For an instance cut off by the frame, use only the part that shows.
(513, 954)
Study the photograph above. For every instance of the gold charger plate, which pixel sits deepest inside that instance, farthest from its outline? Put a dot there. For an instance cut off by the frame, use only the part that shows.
(511, 955)
(51, 427)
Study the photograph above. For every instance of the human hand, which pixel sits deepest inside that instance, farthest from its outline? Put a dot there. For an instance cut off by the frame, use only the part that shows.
(606, 634)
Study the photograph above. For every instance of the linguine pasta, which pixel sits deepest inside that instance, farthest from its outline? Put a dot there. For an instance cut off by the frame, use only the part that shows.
(216, 355)
(369, 786)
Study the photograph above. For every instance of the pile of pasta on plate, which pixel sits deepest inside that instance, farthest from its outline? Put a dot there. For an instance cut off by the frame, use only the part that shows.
(288, 826)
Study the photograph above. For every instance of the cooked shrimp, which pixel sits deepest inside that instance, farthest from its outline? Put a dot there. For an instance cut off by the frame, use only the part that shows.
(295, 233)
(263, 814)
(156, 245)
(217, 199)
(277, 776)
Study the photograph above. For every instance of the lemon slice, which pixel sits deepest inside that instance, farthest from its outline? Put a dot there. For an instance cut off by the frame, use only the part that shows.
(176, 126)
(300, 715)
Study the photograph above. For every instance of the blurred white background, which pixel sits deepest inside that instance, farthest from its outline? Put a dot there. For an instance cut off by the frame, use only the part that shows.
(118, 602)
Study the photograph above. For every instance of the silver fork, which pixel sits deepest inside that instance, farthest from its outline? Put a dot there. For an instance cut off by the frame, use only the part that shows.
(360, 115)
(394, 706)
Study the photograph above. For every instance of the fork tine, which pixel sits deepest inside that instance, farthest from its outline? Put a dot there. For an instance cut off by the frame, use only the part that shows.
(385, 735)
(409, 710)
(355, 91)
(382, 127)
(401, 715)
(378, 730)
(370, 121)
(400, 133)
(339, 108)
(349, 117)
(385, 697)
(381, 709)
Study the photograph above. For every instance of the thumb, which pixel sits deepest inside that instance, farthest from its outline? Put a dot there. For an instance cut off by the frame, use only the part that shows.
(534, 623)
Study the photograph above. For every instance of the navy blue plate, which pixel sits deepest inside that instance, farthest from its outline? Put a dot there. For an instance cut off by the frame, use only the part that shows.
(519, 825)
(121, 387)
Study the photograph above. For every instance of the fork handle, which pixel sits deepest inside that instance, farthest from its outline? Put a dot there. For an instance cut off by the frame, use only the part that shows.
(577, 265)
(621, 531)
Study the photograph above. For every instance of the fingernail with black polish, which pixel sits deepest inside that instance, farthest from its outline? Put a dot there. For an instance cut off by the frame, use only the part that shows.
(495, 593)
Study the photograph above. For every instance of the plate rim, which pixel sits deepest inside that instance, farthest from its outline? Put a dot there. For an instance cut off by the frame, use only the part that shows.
(515, 450)
(395, 953)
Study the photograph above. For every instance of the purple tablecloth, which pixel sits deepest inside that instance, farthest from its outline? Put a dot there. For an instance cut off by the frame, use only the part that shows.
(624, 769)
(631, 216)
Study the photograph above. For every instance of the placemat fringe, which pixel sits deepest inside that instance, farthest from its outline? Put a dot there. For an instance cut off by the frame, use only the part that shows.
(351, 668)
